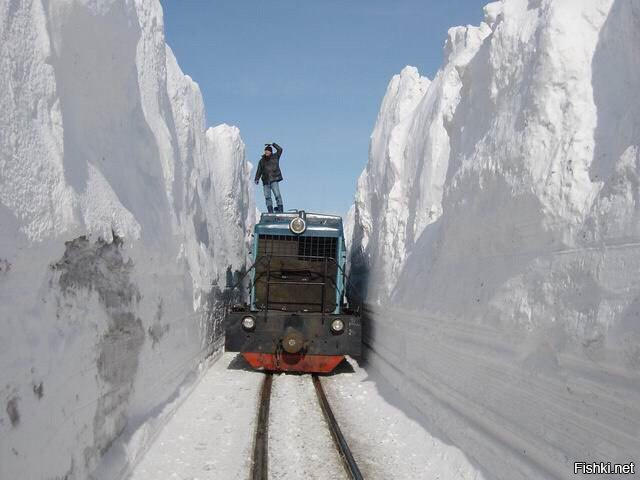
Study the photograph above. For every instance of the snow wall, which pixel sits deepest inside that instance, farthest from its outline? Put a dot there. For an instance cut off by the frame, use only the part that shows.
(121, 217)
(496, 237)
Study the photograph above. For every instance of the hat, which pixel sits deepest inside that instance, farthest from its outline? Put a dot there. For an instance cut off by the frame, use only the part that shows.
(268, 147)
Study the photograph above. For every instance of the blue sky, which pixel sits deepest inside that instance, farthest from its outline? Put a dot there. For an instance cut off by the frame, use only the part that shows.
(308, 74)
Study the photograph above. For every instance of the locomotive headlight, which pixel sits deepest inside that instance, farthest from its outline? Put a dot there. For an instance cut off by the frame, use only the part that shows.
(298, 225)
(337, 326)
(248, 323)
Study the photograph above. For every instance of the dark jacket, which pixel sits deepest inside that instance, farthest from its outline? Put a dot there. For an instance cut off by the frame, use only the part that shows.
(269, 167)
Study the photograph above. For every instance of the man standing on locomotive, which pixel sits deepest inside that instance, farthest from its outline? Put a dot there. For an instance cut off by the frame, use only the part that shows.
(269, 171)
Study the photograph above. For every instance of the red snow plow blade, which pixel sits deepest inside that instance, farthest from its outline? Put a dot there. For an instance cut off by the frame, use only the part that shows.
(293, 362)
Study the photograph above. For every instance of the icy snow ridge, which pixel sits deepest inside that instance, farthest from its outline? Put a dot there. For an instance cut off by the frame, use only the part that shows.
(504, 249)
(120, 215)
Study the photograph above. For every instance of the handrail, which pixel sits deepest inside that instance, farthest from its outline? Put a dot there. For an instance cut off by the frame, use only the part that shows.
(322, 284)
(325, 260)
(349, 283)
(262, 257)
(324, 277)
(268, 257)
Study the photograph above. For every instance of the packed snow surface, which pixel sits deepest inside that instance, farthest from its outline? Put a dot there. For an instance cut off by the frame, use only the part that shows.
(211, 433)
(121, 218)
(388, 437)
(496, 237)
(300, 443)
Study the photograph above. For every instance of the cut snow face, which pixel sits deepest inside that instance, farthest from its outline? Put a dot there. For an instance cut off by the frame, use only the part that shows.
(101, 268)
(98, 267)
(120, 215)
(496, 223)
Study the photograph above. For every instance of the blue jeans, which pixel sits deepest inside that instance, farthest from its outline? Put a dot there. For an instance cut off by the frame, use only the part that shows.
(275, 188)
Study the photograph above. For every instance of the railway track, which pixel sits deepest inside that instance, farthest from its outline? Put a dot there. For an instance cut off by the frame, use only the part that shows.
(260, 467)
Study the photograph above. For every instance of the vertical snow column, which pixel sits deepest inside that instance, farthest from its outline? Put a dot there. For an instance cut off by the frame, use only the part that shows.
(382, 188)
(408, 161)
(110, 221)
(514, 315)
(227, 150)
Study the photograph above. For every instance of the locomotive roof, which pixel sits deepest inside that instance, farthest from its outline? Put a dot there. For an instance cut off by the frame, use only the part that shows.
(317, 220)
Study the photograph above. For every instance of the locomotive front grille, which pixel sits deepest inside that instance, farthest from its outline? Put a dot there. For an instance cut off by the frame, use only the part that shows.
(313, 248)
(293, 273)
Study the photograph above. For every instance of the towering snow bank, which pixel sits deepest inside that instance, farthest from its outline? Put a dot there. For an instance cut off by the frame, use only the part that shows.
(513, 224)
(382, 188)
(119, 219)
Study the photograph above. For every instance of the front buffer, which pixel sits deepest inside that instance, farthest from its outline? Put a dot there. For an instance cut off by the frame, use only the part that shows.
(294, 342)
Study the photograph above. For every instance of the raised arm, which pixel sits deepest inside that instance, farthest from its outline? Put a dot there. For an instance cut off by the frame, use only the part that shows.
(278, 149)
(258, 172)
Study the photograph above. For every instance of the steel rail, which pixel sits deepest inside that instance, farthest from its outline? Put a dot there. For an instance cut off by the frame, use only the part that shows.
(260, 467)
(348, 461)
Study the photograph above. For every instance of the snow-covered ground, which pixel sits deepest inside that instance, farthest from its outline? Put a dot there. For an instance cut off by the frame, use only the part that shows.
(119, 217)
(496, 231)
(211, 434)
(300, 443)
(389, 438)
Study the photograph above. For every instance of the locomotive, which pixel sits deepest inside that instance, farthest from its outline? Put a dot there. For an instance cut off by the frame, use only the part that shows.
(296, 318)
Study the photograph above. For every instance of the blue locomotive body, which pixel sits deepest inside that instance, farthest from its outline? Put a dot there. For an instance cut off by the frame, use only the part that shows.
(296, 318)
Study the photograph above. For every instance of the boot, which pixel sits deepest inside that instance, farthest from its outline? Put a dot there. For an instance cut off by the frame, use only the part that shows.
(279, 209)
(270, 209)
